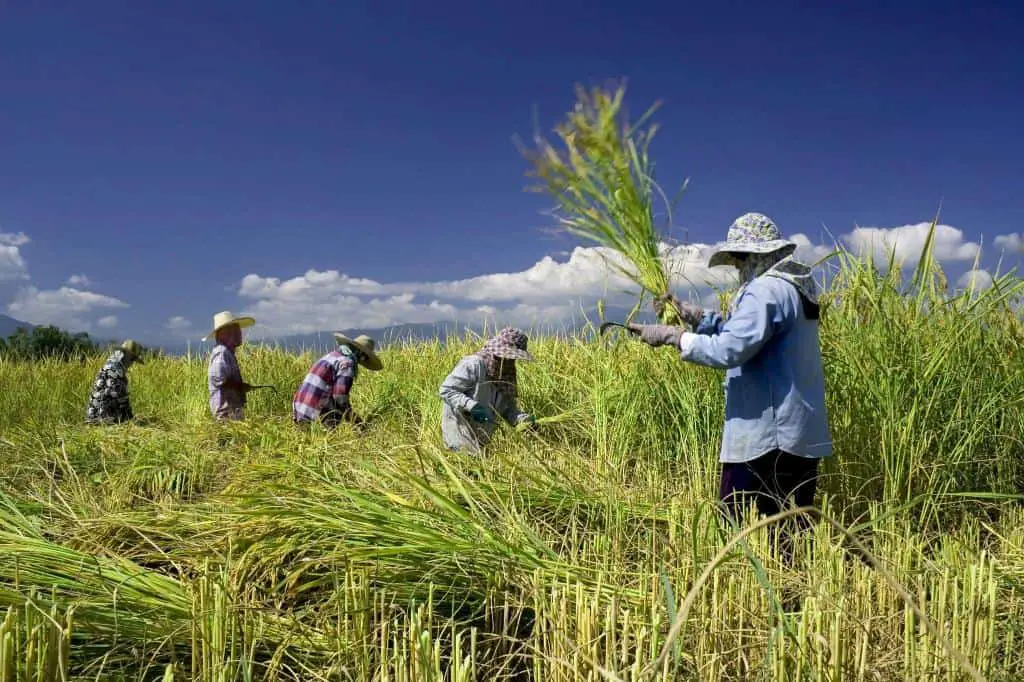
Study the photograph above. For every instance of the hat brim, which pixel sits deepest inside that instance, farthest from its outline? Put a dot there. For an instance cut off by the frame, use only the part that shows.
(372, 362)
(513, 353)
(721, 256)
(242, 322)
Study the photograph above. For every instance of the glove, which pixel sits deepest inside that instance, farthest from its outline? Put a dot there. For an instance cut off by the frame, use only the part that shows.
(655, 335)
(479, 413)
(691, 314)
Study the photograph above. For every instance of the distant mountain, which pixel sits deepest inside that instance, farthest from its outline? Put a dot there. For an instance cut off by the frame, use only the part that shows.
(8, 325)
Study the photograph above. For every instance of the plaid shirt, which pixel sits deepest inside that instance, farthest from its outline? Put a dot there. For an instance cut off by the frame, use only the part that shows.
(325, 389)
(226, 402)
(109, 402)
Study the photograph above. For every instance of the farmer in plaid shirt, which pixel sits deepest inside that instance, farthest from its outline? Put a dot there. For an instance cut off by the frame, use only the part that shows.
(324, 393)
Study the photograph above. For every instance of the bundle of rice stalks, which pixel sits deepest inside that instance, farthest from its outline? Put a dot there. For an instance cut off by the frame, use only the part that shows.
(604, 187)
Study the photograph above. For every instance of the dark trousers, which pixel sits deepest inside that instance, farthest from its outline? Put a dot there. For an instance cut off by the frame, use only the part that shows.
(774, 481)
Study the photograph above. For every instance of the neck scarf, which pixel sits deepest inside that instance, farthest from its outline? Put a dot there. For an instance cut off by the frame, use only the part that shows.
(501, 371)
(781, 264)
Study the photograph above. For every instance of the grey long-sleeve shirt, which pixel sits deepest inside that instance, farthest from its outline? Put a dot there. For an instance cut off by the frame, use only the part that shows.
(467, 385)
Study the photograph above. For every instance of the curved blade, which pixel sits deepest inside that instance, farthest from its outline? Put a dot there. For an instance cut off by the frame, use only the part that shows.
(606, 325)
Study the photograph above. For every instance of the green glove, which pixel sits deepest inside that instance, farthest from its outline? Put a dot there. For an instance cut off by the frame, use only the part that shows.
(479, 413)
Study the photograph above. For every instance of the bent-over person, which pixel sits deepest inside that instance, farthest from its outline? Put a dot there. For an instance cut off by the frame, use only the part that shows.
(324, 393)
(481, 386)
(109, 402)
(224, 377)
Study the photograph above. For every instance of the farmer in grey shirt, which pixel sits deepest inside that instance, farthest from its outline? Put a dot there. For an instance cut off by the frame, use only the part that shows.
(482, 386)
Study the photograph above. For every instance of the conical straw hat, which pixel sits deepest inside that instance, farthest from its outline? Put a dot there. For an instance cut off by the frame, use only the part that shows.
(365, 345)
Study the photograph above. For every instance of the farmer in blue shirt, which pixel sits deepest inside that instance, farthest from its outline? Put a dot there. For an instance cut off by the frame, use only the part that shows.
(776, 426)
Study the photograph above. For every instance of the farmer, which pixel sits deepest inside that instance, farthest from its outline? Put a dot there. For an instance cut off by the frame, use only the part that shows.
(109, 402)
(482, 385)
(224, 378)
(776, 425)
(325, 391)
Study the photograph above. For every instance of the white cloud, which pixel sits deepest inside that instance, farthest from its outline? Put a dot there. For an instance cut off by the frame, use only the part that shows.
(14, 239)
(807, 252)
(12, 264)
(79, 281)
(978, 280)
(66, 307)
(546, 293)
(907, 242)
(1013, 242)
(107, 322)
(179, 324)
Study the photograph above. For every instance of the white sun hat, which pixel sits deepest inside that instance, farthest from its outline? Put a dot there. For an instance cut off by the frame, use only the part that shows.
(226, 317)
(751, 233)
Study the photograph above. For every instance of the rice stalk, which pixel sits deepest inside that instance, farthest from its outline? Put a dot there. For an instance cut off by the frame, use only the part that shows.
(604, 188)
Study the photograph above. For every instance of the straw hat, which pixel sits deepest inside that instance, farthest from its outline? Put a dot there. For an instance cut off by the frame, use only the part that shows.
(751, 233)
(365, 345)
(226, 317)
(134, 349)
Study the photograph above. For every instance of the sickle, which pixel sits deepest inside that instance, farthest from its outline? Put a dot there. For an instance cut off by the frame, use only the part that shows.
(605, 325)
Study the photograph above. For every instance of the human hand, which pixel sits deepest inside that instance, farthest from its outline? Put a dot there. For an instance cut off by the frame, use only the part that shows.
(688, 312)
(528, 421)
(655, 335)
(479, 413)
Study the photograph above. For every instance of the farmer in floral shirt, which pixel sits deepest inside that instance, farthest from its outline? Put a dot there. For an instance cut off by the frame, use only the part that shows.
(324, 393)
(224, 377)
(480, 387)
(109, 402)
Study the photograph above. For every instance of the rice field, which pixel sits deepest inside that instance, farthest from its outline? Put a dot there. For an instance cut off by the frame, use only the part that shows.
(180, 549)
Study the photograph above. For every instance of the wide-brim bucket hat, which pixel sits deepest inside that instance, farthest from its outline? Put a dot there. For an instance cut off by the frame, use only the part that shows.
(225, 318)
(134, 350)
(510, 344)
(751, 233)
(365, 345)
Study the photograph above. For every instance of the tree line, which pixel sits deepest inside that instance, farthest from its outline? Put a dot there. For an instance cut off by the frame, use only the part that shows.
(52, 342)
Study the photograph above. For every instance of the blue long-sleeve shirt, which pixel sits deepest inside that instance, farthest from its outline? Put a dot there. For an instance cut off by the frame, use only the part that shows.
(774, 380)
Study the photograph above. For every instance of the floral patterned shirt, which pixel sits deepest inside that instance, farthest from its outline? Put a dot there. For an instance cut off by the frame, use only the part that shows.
(109, 402)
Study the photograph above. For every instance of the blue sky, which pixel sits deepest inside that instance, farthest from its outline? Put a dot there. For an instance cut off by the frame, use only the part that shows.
(169, 160)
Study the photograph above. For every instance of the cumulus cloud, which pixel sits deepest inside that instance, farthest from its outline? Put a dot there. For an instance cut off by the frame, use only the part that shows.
(178, 324)
(66, 307)
(107, 322)
(548, 292)
(908, 241)
(976, 280)
(79, 281)
(12, 264)
(14, 239)
(1013, 242)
